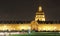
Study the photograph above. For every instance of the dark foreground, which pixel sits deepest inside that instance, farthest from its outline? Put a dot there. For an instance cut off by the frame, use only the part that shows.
(39, 34)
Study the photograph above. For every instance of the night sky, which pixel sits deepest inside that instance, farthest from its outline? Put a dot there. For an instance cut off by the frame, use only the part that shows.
(24, 10)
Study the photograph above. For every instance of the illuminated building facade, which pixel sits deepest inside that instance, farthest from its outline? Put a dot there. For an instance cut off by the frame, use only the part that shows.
(40, 15)
(34, 25)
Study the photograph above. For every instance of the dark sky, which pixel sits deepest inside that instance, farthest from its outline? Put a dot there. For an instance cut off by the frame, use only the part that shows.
(26, 9)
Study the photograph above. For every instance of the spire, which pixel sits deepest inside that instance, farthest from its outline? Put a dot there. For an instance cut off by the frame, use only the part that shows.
(40, 8)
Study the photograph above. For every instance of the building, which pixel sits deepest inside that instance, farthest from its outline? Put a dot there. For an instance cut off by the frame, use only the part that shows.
(40, 14)
(34, 25)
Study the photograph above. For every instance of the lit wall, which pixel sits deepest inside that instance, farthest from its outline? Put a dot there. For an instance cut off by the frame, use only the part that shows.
(14, 26)
(49, 27)
(39, 27)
